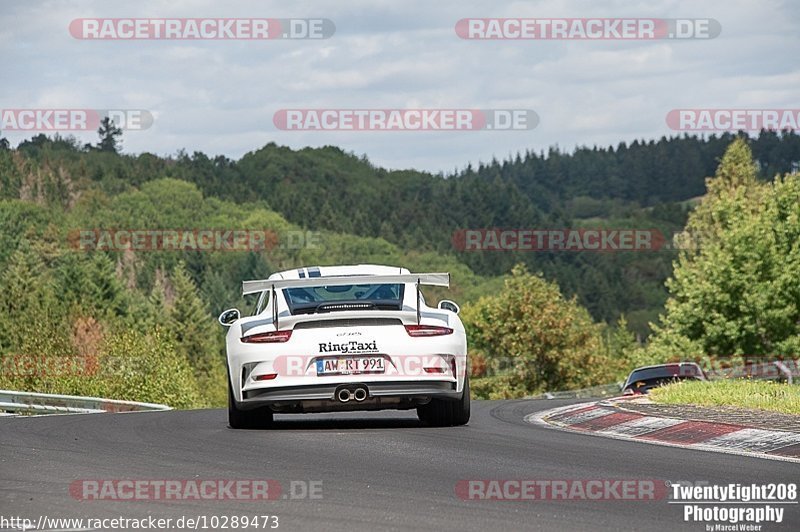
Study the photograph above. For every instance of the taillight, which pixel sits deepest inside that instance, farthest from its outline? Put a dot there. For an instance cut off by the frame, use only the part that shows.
(274, 337)
(434, 370)
(427, 330)
(265, 377)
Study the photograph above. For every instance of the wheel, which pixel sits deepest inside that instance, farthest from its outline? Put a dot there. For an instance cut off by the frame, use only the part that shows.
(461, 408)
(444, 413)
(433, 414)
(257, 418)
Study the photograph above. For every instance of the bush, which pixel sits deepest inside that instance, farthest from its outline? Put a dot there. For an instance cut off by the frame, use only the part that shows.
(494, 387)
(147, 368)
(530, 340)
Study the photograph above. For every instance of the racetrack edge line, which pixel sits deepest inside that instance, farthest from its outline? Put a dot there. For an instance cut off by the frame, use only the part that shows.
(537, 418)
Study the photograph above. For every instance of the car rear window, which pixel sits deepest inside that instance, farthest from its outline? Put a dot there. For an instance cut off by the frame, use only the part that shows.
(361, 296)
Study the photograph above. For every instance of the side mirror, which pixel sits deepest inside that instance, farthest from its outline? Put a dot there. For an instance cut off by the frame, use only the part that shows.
(228, 317)
(446, 304)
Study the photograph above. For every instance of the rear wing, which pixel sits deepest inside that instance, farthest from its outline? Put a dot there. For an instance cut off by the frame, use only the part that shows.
(430, 279)
(418, 279)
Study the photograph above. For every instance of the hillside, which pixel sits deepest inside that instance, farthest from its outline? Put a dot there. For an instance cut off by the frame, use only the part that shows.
(413, 215)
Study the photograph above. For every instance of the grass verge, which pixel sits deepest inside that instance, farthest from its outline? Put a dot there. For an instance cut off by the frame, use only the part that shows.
(758, 395)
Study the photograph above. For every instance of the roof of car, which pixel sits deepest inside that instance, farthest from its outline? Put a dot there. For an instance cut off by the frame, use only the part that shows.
(669, 364)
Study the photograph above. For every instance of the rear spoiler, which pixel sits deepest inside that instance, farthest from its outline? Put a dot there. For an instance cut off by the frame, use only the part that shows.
(428, 279)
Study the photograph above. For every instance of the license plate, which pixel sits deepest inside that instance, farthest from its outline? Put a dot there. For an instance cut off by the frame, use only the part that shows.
(350, 365)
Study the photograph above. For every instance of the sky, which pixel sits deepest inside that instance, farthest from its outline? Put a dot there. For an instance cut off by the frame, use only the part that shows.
(219, 96)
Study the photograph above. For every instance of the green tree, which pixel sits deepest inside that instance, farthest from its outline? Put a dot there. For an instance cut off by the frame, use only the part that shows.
(32, 318)
(543, 341)
(157, 300)
(197, 336)
(90, 283)
(109, 135)
(734, 289)
(191, 321)
(108, 293)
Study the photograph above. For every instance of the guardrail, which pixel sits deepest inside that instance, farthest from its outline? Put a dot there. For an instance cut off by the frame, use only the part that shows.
(16, 403)
(603, 390)
(775, 370)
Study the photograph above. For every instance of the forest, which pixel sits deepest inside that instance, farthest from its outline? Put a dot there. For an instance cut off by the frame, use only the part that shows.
(139, 315)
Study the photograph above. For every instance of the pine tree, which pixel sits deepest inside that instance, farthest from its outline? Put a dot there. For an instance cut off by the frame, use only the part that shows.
(192, 324)
(109, 136)
(33, 318)
(108, 293)
(217, 292)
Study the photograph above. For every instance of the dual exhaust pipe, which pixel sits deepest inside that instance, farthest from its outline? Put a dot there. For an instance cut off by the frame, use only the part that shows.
(358, 394)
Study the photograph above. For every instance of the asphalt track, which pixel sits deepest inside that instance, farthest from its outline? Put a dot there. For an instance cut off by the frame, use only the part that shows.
(379, 471)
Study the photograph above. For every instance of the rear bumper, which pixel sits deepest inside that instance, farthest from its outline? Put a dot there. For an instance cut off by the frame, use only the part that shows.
(322, 397)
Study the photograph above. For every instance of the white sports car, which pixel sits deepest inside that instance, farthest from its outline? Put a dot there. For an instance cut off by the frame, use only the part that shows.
(342, 338)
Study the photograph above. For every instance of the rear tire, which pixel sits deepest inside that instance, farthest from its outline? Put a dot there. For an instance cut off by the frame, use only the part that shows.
(257, 418)
(461, 409)
(444, 413)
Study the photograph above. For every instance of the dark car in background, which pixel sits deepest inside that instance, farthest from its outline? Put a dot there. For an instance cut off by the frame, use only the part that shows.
(642, 380)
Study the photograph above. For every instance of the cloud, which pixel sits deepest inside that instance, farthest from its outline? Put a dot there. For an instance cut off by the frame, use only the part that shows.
(219, 96)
